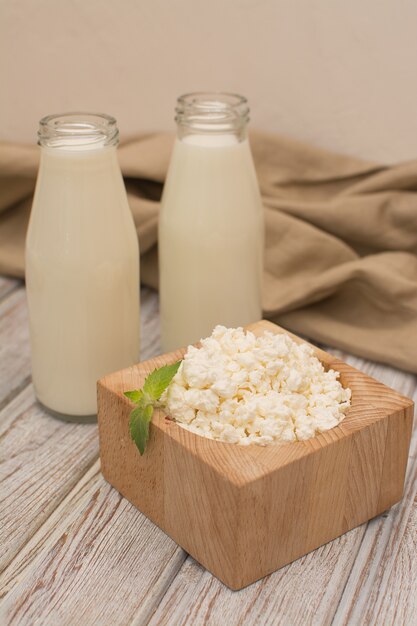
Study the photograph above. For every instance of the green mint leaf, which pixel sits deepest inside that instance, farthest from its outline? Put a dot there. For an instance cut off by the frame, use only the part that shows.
(153, 388)
(136, 395)
(158, 381)
(139, 425)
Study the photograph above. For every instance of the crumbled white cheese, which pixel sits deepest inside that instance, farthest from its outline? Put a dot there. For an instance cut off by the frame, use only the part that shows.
(245, 389)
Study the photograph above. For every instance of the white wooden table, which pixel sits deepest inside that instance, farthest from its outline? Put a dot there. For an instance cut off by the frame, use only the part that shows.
(73, 551)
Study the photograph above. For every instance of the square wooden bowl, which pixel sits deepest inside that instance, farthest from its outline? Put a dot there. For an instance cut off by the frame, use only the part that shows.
(243, 512)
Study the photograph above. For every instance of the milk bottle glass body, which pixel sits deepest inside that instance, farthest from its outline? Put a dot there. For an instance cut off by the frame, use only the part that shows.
(211, 231)
(82, 265)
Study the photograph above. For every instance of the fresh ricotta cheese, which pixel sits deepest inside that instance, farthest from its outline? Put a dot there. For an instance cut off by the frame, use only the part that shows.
(245, 389)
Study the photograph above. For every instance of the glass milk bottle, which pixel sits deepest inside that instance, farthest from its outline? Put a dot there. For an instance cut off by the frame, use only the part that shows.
(82, 265)
(211, 231)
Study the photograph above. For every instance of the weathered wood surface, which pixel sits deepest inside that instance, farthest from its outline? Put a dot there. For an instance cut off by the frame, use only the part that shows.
(94, 559)
(41, 460)
(97, 567)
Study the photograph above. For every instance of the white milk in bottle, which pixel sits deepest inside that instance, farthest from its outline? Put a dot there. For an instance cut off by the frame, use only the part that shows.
(82, 265)
(211, 231)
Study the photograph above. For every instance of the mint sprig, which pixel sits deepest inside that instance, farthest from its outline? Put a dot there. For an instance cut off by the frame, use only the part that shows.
(145, 399)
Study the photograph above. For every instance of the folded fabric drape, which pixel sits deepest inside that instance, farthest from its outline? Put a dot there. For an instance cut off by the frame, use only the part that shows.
(341, 237)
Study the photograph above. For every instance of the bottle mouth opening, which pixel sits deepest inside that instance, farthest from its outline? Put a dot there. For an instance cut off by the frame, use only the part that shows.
(213, 112)
(78, 131)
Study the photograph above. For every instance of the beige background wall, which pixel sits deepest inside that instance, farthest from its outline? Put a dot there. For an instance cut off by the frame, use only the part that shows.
(339, 73)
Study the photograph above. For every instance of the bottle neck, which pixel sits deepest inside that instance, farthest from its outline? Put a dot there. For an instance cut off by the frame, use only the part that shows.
(212, 119)
(77, 132)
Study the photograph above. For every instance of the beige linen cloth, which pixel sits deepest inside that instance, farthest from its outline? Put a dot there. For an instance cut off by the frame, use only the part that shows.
(341, 237)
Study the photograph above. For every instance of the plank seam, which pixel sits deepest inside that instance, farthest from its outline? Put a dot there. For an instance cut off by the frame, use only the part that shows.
(342, 592)
(160, 588)
(38, 533)
(38, 529)
(26, 382)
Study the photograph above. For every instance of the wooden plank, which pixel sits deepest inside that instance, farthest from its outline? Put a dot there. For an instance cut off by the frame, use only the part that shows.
(7, 285)
(307, 591)
(42, 458)
(14, 346)
(99, 561)
(382, 587)
(49, 532)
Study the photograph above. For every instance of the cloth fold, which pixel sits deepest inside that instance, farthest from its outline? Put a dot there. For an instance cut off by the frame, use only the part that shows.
(341, 237)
